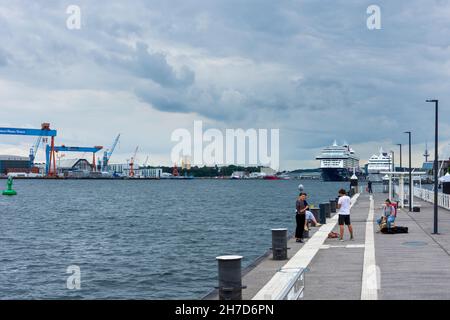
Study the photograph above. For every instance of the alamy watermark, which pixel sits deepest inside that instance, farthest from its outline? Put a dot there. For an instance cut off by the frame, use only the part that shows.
(374, 20)
(73, 22)
(74, 280)
(211, 147)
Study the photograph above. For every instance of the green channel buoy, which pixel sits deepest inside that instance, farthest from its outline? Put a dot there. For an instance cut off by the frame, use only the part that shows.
(9, 191)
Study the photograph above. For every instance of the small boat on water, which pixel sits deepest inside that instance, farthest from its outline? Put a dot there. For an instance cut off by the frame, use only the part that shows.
(272, 177)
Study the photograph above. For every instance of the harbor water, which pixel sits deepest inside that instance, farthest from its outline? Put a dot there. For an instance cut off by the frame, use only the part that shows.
(138, 239)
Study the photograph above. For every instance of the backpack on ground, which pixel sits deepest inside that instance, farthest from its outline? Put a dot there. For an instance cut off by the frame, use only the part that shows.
(394, 230)
(333, 235)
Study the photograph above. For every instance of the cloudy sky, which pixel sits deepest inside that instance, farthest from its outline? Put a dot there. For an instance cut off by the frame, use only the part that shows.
(310, 68)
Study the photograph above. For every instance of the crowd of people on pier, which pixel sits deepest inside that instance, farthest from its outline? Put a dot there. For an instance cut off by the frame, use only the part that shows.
(304, 217)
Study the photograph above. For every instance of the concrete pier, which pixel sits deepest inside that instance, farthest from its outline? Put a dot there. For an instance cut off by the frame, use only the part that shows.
(374, 266)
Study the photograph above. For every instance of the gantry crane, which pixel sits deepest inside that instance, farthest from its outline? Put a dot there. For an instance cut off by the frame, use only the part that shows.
(45, 131)
(64, 148)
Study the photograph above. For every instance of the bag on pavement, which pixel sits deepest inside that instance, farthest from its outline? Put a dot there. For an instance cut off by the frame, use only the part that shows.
(333, 235)
(394, 230)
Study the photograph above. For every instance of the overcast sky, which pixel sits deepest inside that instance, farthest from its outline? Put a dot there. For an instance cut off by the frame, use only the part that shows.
(310, 68)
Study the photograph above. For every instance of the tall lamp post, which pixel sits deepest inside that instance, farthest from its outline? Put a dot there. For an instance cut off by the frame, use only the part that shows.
(393, 170)
(436, 163)
(410, 173)
(393, 161)
(401, 166)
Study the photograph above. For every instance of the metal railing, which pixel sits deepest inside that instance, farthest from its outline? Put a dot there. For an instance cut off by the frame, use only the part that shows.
(296, 286)
(428, 196)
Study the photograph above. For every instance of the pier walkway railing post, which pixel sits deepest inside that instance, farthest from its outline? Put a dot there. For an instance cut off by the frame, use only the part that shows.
(324, 211)
(279, 244)
(316, 213)
(230, 277)
(333, 206)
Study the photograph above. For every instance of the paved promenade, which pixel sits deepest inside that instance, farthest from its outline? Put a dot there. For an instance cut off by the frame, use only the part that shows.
(373, 266)
(407, 266)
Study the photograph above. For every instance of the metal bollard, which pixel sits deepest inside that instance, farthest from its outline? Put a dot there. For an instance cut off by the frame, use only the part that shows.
(323, 208)
(279, 244)
(316, 213)
(333, 206)
(327, 210)
(230, 277)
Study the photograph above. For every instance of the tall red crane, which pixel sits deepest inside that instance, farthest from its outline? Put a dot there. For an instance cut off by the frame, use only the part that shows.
(133, 158)
(175, 172)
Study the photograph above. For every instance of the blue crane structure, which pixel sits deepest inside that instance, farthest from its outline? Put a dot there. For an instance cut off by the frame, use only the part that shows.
(108, 153)
(34, 150)
(64, 148)
(45, 131)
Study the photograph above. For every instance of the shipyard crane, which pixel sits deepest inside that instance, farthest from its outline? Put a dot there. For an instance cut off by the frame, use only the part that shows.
(64, 148)
(175, 172)
(145, 162)
(34, 150)
(44, 131)
(108, 153)
(133, 158)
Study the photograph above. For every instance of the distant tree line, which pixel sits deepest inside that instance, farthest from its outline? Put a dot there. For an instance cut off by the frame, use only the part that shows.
(215, 171)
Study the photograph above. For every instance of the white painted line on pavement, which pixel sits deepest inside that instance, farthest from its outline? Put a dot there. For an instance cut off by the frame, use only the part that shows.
(369, 287)
(301, 259)
(348, 246)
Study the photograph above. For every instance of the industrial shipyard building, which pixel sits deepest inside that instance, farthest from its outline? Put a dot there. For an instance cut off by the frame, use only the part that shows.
(10, 164)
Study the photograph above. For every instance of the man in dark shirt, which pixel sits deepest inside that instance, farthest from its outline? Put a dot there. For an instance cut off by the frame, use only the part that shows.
(369, 186)
(301, 207)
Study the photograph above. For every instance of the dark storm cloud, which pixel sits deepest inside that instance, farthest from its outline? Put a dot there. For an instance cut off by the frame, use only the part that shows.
(154, 66)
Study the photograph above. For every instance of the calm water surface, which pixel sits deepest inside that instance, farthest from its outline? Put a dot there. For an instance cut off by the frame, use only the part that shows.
(138, 239)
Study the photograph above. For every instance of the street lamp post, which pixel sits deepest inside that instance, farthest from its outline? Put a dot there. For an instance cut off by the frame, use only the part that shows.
(393, 161)
(410, 173)
(401, 166)
(393, 170)
(436, 163)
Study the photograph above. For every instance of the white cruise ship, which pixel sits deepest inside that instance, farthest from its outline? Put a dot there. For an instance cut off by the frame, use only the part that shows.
(338, 162)
(379, 162)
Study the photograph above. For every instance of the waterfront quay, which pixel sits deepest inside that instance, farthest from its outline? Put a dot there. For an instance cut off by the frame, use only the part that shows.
(375, 266)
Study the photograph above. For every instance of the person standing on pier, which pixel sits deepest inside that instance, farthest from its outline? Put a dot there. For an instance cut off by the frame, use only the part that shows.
(369, 186)
(343, 205)
(301, 207)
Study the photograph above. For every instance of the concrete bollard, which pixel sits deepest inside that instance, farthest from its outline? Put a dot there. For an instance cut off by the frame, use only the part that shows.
(279, 244)
(230, 277)
(323, 209)
(333, 206)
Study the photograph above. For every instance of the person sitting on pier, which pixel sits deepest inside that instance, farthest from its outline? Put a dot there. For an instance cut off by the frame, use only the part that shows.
(309, 216)
(389, 215)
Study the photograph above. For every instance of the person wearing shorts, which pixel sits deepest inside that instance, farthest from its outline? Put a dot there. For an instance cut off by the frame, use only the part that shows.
(343, 205)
